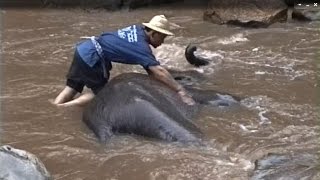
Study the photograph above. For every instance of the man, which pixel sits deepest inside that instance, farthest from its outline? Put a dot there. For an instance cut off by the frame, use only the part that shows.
(93, 57)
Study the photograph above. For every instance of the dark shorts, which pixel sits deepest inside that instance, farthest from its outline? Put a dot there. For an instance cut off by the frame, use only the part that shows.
(81, 74)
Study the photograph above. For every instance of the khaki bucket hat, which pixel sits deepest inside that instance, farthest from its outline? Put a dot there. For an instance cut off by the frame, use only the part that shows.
(160, 24)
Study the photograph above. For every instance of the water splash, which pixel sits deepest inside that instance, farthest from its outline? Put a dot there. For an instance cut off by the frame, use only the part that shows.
(172, 56)
(236, 38)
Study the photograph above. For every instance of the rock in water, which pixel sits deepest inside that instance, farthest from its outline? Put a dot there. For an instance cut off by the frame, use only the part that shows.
(18, 164)
(246, 13)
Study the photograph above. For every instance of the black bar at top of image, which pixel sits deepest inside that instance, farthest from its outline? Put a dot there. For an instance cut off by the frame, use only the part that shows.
(21, 3)
(96, 3)
(306, 1)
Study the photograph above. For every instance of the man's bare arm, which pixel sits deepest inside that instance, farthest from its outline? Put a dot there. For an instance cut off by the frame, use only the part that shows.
(161, 74)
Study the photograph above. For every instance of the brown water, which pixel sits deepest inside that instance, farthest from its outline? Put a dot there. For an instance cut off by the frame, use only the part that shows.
(275, 70)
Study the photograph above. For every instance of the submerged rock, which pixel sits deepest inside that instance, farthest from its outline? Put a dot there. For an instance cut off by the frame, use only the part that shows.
(287, 167)
(18, 164)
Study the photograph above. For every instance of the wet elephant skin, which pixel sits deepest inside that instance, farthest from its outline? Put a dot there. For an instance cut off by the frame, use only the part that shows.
(134, 103)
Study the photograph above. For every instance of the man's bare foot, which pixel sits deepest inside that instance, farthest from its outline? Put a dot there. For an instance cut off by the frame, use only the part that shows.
(62, 105)
(51, 101)
(81, 101)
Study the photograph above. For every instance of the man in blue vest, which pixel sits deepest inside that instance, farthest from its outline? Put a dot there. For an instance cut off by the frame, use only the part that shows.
(130, 45)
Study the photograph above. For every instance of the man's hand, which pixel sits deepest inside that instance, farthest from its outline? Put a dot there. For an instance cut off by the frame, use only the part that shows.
(186, 98)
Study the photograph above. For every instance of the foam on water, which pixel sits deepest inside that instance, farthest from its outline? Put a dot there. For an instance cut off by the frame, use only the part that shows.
(236, 38)
(255, 104)
(266, 62)
(264, 105)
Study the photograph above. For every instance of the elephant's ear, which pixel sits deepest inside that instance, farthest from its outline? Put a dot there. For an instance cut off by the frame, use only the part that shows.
(192, 59)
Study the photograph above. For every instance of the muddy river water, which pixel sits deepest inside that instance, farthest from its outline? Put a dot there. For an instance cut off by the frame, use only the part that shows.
(274, 70)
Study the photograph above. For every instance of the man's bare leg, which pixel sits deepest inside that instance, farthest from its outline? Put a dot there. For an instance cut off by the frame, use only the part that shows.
(80, 101)
(65, 98)
(66, 95)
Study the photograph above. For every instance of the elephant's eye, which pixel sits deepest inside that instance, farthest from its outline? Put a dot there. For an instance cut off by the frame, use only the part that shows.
(178, 78)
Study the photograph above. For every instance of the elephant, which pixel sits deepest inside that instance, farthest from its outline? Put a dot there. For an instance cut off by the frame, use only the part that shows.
(135, 103)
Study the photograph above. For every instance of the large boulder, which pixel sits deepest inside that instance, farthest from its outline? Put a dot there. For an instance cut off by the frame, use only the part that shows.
(16, 164)
(247, 13)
